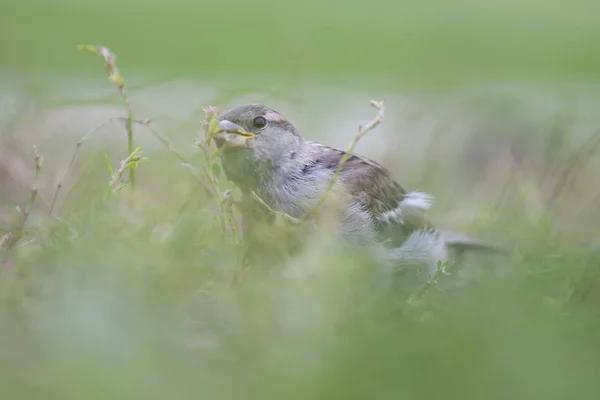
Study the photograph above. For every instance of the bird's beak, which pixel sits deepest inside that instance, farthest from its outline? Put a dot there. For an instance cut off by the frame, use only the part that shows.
(230, 135)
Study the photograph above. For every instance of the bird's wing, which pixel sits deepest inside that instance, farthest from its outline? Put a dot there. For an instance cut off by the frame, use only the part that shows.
(396, 213)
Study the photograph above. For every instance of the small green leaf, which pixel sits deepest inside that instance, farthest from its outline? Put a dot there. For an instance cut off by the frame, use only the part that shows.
(550, 301)
(212, 128)
(87, 48)
(118, 188)
(215, 153)
(136, 152)
(216, 170)
(188, 166)
(108, 192)
(117, 79)
(110, 168)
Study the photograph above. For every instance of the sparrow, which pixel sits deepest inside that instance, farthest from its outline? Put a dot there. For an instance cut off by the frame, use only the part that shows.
(264, 154)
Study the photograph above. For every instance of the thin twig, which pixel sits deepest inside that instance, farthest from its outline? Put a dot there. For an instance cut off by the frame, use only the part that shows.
(12, 239)
(362, 130)
(576, 163)
(441, 270)
(115, 77)
(72, 162)
(184, 161)
(228, 207)
(289, 218)
(210, 125)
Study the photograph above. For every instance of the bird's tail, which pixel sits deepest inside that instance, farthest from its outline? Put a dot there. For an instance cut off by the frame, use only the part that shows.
(429, 247)
(461, 242)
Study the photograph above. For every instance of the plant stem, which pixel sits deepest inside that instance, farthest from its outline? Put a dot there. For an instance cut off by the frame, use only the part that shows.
(13, 239)
(115, 77)
(72, 162)
(379, 105)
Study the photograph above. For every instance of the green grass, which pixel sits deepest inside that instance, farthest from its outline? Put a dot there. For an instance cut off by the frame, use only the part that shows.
(141, 294)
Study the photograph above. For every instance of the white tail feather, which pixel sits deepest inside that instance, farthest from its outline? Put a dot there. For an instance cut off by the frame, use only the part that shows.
(417, 200)
(413, 205)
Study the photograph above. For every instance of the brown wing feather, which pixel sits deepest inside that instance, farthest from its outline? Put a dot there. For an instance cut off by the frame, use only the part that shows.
(376, 190)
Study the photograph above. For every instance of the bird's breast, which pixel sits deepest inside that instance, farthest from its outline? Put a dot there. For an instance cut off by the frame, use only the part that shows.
(298, 193)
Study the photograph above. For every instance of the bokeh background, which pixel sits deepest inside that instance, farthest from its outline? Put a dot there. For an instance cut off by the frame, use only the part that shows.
(493, 107)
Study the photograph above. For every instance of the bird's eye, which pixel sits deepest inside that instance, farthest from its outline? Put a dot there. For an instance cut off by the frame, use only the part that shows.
(259, 122)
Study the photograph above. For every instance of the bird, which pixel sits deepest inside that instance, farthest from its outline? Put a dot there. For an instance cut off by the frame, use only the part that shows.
(265, 155)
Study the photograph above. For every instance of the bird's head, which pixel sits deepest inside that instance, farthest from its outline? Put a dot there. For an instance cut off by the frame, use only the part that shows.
(255, 138)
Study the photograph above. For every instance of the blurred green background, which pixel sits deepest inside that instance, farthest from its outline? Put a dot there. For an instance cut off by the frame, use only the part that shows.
(428, 41)
(491, 106)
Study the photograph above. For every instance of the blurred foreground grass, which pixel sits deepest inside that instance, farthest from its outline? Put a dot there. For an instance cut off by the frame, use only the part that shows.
(135, 296)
